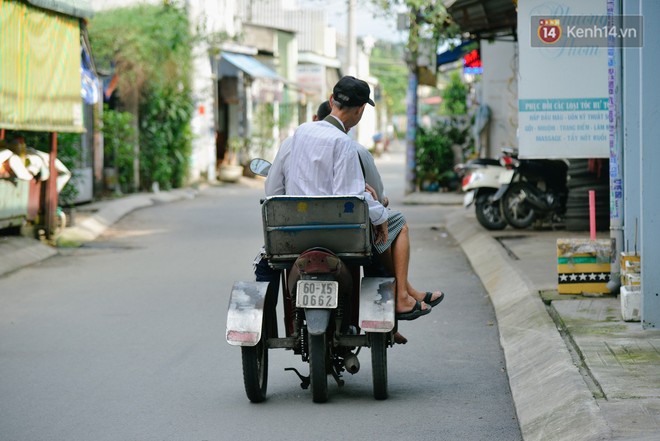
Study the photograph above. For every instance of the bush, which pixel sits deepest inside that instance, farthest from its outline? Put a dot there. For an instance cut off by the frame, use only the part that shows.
(118, 138)
(434, 157)
(165, 138)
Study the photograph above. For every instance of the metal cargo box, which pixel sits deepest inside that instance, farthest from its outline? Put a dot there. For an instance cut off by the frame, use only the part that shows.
(293, 224)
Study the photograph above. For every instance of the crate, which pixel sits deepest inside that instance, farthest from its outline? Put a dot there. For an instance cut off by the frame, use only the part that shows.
(630, 268)
(583, 266)
(293, 224)
(631, 303)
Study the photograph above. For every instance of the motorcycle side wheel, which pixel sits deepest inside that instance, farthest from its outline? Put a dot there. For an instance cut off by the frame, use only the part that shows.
(318, 374)
(489, 214)
(379, 364)
(515, 208)
(255, 364)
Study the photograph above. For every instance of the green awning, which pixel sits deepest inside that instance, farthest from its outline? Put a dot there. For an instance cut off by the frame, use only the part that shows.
(39, 69)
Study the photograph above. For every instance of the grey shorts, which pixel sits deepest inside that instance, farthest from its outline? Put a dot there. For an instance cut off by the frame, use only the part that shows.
(395, 223)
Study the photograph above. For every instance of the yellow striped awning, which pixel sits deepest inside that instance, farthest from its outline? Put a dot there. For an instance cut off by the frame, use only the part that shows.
(39, 69)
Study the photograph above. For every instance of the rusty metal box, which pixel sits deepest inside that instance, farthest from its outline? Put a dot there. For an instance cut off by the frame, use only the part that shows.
(293, 224)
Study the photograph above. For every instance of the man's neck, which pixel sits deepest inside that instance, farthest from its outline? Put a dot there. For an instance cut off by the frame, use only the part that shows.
(336, 121)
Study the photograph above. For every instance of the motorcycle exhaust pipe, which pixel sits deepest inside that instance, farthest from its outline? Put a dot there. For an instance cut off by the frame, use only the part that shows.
(351, 363)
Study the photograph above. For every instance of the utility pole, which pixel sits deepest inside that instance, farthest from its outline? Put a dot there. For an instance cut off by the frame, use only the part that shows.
(411, 113)
(351, 68)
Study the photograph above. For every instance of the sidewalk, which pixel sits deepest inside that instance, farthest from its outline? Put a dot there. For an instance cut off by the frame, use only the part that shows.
(583, 375)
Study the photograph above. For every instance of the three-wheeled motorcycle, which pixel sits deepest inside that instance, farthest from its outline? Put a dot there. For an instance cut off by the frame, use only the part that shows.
(320, 244)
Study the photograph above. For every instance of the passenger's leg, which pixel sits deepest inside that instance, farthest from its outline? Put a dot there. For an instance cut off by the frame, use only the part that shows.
(401, 245)
(400, 260)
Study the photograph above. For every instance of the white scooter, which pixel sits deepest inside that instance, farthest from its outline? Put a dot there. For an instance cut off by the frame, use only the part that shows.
(481, 180)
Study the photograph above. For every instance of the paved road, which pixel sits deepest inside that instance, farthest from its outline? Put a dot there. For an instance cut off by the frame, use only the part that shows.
(123, 339)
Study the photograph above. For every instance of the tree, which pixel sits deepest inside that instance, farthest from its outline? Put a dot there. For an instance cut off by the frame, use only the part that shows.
(149, 48)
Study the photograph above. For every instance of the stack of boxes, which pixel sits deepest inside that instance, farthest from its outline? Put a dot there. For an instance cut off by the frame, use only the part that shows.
(583, 266)
(631, 295)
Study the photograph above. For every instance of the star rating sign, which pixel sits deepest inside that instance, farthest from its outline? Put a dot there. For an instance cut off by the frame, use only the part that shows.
(584, 277)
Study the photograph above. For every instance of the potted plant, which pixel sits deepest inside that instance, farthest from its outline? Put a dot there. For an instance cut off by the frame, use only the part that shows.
(230, 170)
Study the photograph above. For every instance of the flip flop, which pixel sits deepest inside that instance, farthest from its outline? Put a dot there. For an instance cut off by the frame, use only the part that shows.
(414, 313)
(429, 296)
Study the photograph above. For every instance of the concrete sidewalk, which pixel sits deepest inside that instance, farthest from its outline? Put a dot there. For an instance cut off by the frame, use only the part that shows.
(576, 370)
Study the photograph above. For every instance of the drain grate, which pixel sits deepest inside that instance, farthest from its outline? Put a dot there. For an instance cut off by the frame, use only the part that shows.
(509, 251)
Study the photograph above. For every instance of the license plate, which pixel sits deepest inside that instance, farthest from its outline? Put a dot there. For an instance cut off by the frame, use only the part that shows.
(317, 294)
(468, 198)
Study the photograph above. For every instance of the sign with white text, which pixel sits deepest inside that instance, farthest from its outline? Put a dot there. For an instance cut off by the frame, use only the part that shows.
(563, 98)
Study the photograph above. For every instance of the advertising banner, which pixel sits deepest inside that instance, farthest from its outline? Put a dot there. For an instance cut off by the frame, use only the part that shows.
(564, 89)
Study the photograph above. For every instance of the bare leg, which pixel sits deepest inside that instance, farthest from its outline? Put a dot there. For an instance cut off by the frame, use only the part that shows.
(400, 260)
(392, 260)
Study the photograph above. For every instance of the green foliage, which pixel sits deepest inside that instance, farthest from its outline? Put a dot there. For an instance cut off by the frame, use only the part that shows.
(428, 20)
(166, 138)
(69, 146)
(386, 63)
(262, 135)
(454, 96)
(434, 158)
(150, 49)
(119, 136)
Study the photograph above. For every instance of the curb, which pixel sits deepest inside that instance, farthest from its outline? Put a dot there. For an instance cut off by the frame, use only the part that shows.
(92, 227)
(19, 252)
(552, 400)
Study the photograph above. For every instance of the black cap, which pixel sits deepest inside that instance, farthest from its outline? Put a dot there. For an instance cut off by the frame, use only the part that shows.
(351, 92)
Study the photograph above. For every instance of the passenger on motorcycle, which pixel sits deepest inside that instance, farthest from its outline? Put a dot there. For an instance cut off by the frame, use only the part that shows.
(320, 160)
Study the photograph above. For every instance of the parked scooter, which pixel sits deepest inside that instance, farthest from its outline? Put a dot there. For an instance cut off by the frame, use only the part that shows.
(480, 183)
(533, 190)
(320, 244)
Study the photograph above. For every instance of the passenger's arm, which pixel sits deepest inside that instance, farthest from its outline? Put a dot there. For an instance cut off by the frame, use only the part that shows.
(348, 179)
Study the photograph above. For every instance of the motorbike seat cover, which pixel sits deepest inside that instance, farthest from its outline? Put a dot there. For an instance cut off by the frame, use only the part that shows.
(484, 161)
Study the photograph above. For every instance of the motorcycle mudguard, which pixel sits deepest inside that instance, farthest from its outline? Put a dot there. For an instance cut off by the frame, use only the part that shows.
(317, 320)
(377, 304)
(469, 198)
(245, 313)
(500, 192)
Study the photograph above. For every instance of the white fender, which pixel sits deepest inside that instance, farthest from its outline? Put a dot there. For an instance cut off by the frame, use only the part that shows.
(377, 304)
(245, 313)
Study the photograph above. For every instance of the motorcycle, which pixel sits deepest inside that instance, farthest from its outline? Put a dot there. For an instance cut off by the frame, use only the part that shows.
(533, 190)
(480, 182)
(319, 243)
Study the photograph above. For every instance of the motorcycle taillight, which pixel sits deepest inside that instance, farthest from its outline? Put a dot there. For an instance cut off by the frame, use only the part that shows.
(466, 180)
(507, 161)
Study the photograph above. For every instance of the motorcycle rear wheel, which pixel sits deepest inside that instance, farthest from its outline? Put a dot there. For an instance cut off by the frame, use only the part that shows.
(255, 364)
(318, 373)
(515, 208)
(489, 214)
(379, 364)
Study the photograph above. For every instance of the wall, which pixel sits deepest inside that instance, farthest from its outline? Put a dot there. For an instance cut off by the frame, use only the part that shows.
(499, 90)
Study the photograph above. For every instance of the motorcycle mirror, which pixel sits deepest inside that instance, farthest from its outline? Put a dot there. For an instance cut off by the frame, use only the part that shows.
(260, 167)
